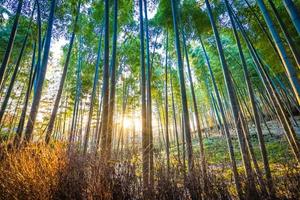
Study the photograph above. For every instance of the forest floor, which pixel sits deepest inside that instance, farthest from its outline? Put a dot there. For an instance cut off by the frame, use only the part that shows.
(279, 154)
(52, 172)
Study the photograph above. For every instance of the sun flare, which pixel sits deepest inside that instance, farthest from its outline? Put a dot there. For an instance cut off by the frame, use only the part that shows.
(132, 123)
(127, 123)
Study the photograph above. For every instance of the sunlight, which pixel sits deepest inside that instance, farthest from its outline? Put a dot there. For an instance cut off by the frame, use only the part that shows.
(127, 123)
(130, 123)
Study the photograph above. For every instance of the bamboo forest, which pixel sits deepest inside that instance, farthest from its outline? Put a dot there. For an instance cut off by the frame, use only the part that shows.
(149, 99)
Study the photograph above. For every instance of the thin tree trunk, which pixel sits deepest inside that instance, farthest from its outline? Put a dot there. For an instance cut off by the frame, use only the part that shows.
(186, 120)
(145, 132)
(41, 76)
(214, 105)
(277, 104)
(125, 96)
(65, 117)
(149, 101)
(112, 90)
(13, 78)
(225, 126)
(294, 13)
(7, 75)
(166, 108)
(262, 145)
(286, 34)
(174, 117)
(16, 70)
(202, 155)
(92, 99)
(105, 85)
(63, 78)
(20, 127)
(12, 125)
(99, 121)
(262, 27)
(289, 68)
(11, 40)
(251, 189)
(77, 94)
(183, 147)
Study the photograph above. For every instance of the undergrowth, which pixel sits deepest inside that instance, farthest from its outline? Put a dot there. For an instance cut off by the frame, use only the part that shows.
(52, 172)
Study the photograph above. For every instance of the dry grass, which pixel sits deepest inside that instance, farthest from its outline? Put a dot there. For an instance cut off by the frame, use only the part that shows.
(31, 172)
(50, 172)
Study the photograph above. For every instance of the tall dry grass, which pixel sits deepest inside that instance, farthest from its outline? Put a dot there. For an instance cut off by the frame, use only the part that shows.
(32, 172)
(52, 172)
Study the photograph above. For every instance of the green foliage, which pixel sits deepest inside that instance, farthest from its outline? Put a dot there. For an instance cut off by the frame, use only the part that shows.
(217, 151)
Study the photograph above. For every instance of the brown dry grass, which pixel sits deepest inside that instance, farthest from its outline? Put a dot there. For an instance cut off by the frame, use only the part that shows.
(31, 172)
(50, 172)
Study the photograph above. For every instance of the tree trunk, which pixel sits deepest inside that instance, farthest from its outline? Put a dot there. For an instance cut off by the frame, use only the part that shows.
(77, 94)
(41, 76)
(62, 79)
(262, 27)
(111, 104)
(149, 101)
(145, 132)
(262, 145)
(174, 118)
(294, 13)
(286, 34)
(225, 127)
(166, 109)
(185, 113)
(105, 85)
(251, 189)
(202, 155)
(10, 41)
(277, 104)
(13, 78)
(20, 127)
(289, 68)
(92, 99)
